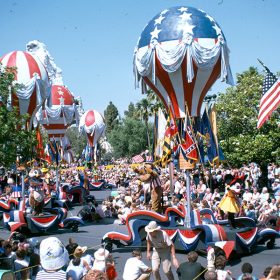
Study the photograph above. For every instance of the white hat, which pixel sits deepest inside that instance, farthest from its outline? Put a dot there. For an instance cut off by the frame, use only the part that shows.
(10, 181)
(101, 254)
(152, 226)
(53, 254)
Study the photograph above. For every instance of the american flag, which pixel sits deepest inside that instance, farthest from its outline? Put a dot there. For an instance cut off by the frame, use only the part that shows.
(137, 159)
(270, 99)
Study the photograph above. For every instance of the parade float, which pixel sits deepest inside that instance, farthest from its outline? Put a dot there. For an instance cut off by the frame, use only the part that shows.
(92, 124)
(181, 52)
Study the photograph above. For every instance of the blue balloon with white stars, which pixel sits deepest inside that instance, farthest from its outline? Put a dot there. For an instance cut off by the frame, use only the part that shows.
(172, 23)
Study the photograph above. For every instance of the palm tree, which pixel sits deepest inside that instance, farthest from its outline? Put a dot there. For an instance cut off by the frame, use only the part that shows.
(143, 112)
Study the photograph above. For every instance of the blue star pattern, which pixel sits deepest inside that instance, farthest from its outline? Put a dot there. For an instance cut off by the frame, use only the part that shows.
(171, 24)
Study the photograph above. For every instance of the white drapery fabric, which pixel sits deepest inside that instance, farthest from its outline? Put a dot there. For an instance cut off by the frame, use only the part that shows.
(171, 55)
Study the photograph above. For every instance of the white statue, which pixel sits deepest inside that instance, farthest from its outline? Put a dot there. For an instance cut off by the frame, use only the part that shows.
(39, 49)
(105, 145)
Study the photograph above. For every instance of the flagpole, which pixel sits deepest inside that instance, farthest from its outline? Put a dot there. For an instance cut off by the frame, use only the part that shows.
(187, 221)
(263, 65)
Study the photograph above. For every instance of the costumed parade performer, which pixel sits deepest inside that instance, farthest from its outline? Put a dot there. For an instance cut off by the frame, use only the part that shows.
(150, 176)
(229, 204)
(36, 195)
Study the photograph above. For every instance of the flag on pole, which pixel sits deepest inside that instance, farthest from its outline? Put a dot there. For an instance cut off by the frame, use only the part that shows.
(208, 135)
(160, 127)
(138, 159)
(270, 99)
(39, 147)
(188, 143)
(170, 135)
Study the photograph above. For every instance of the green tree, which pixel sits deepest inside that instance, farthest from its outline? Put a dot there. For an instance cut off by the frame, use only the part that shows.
(143, 112)
(78, 141)
(127, 138)
(131, 111)
(111, 115)
(16, 142)
(237, 114)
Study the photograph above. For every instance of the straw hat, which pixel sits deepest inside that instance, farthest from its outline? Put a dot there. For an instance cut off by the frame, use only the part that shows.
(101, 254)
(79, 251)
(152, 226)
(44, 170)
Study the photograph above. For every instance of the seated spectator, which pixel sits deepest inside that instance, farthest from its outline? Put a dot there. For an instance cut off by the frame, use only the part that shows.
(250, 213)
(210, 275)
(135, 269)
(247, 270)
(274, 273)
(75, 270)
(86, 260)
(54, 257)
(220, 263)
(266, 273)
(71, 248)
(21, 265)
(190, 269)
(95, 274)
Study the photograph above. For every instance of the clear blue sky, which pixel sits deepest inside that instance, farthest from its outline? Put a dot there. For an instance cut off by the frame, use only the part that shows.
(93, 41)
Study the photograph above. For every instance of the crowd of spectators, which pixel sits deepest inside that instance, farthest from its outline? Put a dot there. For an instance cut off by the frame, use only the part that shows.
(50, 259)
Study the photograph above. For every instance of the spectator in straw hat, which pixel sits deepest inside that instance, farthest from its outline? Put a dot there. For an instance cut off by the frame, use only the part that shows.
(163, 250)
(78, 266)
(100, 257)
(54, 257)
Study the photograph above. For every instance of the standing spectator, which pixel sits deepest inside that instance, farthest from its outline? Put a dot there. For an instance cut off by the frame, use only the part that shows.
(190, 269)
(163, 250)
(54, 257)
(135, 269)
(246, 268)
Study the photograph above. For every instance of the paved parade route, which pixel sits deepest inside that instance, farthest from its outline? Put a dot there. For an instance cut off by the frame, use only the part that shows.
(91, 234)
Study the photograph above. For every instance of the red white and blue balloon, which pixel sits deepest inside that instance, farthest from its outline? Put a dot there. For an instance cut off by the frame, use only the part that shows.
(60, 112)
(92, 123)
(181, 52)
(33, 79)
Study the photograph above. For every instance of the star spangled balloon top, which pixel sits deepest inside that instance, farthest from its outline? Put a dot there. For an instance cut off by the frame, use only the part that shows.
(180, 54)
(176, 22)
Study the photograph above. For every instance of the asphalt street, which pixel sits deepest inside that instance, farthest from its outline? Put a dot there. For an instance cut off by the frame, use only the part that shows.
(91, 235)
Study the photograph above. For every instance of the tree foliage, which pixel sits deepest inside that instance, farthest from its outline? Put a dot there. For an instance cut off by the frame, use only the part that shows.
(111, 115)
(78, 141)
(16, 141)
(128, 138)
(237, 115)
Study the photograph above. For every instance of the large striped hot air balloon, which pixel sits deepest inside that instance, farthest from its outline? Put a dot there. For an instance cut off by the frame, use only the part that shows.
(180, 54)
(33, 79)
(92, 123)
(59, 113)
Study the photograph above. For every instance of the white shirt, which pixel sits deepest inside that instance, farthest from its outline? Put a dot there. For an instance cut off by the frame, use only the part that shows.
(247, 196)
(133, 269)
(75, 272)
(177, 187)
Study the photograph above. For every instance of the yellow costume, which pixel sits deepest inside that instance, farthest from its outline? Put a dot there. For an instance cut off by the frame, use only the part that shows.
(229, 202)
